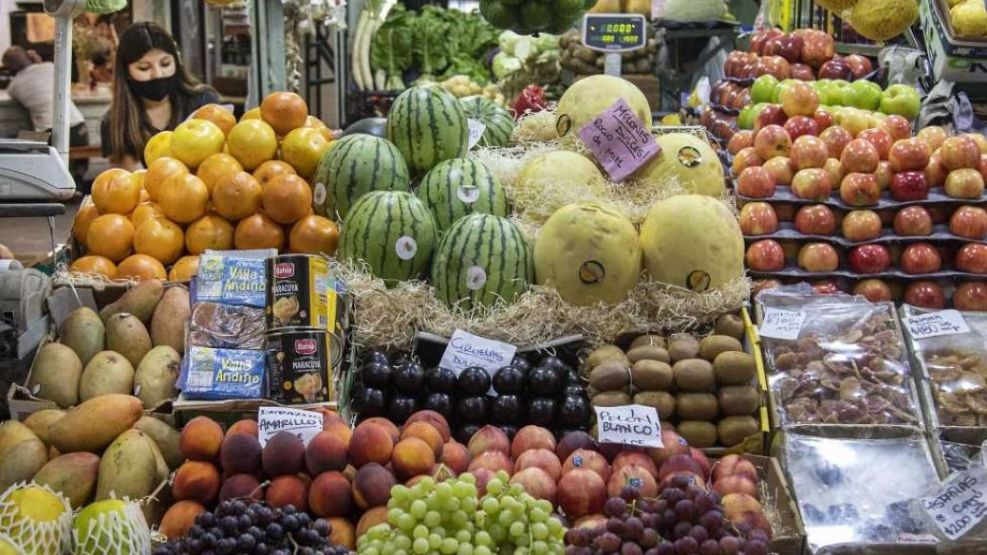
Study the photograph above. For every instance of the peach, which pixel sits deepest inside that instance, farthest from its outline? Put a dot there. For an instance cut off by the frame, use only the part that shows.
(241, 486)
(196, 481)
(201, 439)
(245, 426)
(590, 521)
(456, 456)
(672, 444)
(489, 438)
(179, 518)
(330, 495)
(425, 432)
(327, 451)
(482, 475)
(572, 441)
(340, 430)
(635, 476)
(329, 417)
(240, 454)
(532, 437)
(283, 454)
(540, 458)
(288, 490)
(737, 503)
(581, 492)
(372, 486)
(411, 457)
(735, 484)
(492, 460)
(701, 458)
(371, 518)
(680, 463)
(342, 533)
(590, 460)
(371, 442)
(632, 457)
(435, 419)
(536, 482)
(387, 424)
(732, 465)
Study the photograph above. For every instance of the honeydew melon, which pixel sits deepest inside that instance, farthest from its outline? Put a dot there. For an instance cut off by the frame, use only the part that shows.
(686, 161)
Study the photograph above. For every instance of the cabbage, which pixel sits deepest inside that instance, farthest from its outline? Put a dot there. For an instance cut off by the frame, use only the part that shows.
(694, 10)
(507, 42)
(504, 65)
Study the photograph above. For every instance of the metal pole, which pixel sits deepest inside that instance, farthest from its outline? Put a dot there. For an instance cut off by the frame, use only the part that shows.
(63, 76)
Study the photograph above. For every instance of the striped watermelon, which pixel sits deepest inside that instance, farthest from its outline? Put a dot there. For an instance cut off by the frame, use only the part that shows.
(481, 258)
(499, 122)
(428, 125)
(457, 187)
(353, 167)
(393, 232)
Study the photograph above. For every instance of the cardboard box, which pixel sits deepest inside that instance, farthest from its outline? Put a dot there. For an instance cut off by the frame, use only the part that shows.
(779, 506)
(952, 60)
(229, 411)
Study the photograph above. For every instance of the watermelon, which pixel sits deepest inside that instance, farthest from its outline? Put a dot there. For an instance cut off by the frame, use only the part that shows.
(457, 187)
(499, 122)
(480, 259)
(353, 167)
(428, 125)
(393, 232)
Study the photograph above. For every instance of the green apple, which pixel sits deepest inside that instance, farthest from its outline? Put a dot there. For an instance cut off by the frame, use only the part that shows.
(776, 96)
(763, 88)
(901, 100)
(863, 94)
(745, 119)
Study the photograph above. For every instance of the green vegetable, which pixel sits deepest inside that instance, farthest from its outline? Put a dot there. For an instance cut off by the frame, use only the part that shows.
(391, 50)
(504, 65)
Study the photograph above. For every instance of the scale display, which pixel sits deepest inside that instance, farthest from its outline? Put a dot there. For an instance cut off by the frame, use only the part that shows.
(615, 32)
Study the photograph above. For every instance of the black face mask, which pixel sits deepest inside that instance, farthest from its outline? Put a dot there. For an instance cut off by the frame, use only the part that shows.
(155, 89)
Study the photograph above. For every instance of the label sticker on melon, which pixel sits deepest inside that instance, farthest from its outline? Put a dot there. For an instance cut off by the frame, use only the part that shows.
(468, 193)
(406, 247)
(319, 194)
(592, 271)
(476, 277)
(619, 140)
(477, 129)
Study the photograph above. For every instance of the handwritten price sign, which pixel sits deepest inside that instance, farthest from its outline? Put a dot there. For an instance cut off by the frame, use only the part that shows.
(303, 423)
(619, 140)
(935, 324)
(782, 324)
(960, 505)
(629, 425)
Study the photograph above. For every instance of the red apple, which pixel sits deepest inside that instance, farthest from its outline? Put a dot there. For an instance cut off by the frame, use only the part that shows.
(874, 290)
(799, 99)
(815, 219)
(812, 183)
(769, 115)
(859, 65)
(897, 126)
(817, 48)
(979, 139)
(788, 46)
(959, 152)
(935, 174)
(909, 185)
(780, 169)
(835, 68)
(836, 139)
(759, 285)
(972, 258)
(756, 182)
(823, 118)
(861, 225)
(933, 136)
(834, 169)
(969, 222)
(983, 166)
(773, 65)
(925, 294)
(808, 152)
(826, 287)
(803, 72)
(860, 189)
(869, 259)
(772, 141)
(884, 174)
(859, 156)
(913, 221)
(920, 258)
(744, 159)
(765, 255)
(758, 218)
(798, 126)
(965, 183)
(909, 155)
(760, 38)
(881, 140)
(818, 257)
(740, 140)
(971, 295)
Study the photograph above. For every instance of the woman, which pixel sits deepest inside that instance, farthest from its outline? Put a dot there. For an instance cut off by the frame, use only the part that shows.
(152, 92)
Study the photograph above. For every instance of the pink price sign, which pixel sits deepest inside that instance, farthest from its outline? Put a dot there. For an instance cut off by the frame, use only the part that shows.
(619, 140)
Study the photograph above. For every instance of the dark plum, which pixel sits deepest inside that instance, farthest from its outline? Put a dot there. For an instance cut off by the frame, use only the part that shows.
(376, 375)
(370, 401)
(472, 409)
(573, 390)
(409, 378)
(507, 409)
(574, 410)
(401, 407)
(509, 379)
(400, 358)
(508, 429)
(377, 356)
(521, 363)
(474, 381)
(541, 411)
(441, 380)
(465, 432)
(440, 403)
(544, 381)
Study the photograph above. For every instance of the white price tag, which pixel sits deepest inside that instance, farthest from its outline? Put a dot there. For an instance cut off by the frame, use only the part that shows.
(781, 324)
(935, 324)
(629, 425)
(303, 423)
(465, 350)
(477, 128)
(961, 503)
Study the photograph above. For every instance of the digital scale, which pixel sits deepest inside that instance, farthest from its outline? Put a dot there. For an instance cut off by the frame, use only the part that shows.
(32, 171)
(614, 34)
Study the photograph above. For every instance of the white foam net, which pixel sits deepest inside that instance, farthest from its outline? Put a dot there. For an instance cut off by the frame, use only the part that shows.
(115, 533)
(35, 537)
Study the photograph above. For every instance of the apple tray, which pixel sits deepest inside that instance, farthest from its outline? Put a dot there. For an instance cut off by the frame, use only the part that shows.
(936, 196)
(796, 272)
(787, 231)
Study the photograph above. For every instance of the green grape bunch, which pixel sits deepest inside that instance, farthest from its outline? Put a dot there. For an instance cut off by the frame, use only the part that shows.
(533, 16)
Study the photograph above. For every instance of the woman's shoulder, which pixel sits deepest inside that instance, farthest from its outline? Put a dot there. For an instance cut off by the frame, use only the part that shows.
(207, 95)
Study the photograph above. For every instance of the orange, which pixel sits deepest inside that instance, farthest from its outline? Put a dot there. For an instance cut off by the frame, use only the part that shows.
(183, 198)
(85, 216)
(271, 169)
(157, 146)
(216, 167)
(315, 123)
(252, 142)
(221, 117)
(93, 264)
(138, 176)
(303, 148)
(284, 111)
(159, 238)
(314, 234)
(184, 268)
(195, 140)
(209, 232)
(144, 212)
(160, 170)
(112, 236)
(144, 197)
(236, 196)
(118, 194)
(142, 266)
(253, 113)
(258, 232)
(287, 199)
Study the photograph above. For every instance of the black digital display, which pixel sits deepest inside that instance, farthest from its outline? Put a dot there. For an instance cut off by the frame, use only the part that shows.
(615, 32)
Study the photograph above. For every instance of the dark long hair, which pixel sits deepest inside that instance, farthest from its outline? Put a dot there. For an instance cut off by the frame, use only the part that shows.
(130, 127)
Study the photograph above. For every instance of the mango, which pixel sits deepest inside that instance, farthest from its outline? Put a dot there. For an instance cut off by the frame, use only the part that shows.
(13, 432)
(170, 316)
(166, 437)
(84, 333)
(154, 382)
(128, 468)
(39, 422)
(55, 376)
(94, 424)
(108, 372)
(22, 462)
(126, 335)
(73, 475)
(140, 300)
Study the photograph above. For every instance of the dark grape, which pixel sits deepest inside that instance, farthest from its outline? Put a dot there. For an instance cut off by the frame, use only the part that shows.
(630, 493)
(607, 542)
(681, 530)
(615, 507)
(685, 510)
(760, 535)
(686, 546)
(246, 542)
(712, 520)
(672, 495)
(649, 538)
(666, 548)
(633, 528)
(630, 548)
(755, 547)
(705, 502)
(709, 547)
(275, 531)
(616, 526)
(729, 545)
(576, 536)
(699, 534)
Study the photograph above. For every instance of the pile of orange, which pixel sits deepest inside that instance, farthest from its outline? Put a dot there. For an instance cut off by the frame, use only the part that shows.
(212, 183)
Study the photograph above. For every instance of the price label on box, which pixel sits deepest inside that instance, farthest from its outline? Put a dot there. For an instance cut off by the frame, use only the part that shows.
(303, 423)
(960, 505)
(465, 350)
(619, 140)
(629, 424)
(781, 324)
(936, 324)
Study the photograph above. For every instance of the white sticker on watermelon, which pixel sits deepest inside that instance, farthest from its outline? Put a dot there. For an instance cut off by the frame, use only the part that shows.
(406, 247)
(477, 128)
(476, 277)
(319, 194)
(468, 193)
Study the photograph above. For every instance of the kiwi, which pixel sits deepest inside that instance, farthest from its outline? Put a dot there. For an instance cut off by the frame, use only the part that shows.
(734, 368)
(731, 325)
(647, 353)
(610, 375)
(696, 406)
(713, 345)
(651, 375)
(734, 429)
(738, 400)
(663, 402)
(694, 374)
(682, 346)
(610, 399)
(648, 341)
(603, 354)
(697, 434)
